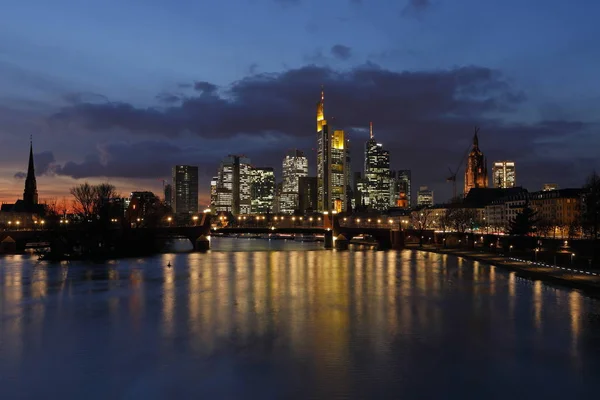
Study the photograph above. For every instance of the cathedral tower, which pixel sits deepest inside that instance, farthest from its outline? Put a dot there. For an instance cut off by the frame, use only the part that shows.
(476, 175)
(30, 194)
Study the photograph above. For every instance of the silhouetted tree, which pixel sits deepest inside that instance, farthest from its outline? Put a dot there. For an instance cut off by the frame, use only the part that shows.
(524, 222)
(590, 217)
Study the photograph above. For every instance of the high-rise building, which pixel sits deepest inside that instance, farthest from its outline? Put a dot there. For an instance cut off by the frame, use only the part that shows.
(424, 196)
(185, 198)
(308, 193)
(503, 174)
(377, 174)
(214, 182)
(295, 166)
(234, 185)
(331, 164)
(404, 188)
(262, 190)
(168, 193)
(549, 186)
(476, 175)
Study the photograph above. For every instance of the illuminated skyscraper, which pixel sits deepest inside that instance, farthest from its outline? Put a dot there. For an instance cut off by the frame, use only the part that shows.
(377, 174)
(331, 164)
(262, 190)
(185, 199)
(308, 193)
(476, 175)
(233, 185)
(503, 174)
(295, 166)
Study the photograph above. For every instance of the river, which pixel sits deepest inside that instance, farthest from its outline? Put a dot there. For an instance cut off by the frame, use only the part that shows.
(282, 320)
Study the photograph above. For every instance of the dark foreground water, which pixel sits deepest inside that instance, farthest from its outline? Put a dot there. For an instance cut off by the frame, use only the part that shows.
(261, 323)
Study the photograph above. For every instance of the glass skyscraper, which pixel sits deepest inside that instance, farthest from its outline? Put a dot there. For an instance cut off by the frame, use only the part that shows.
(185, 180)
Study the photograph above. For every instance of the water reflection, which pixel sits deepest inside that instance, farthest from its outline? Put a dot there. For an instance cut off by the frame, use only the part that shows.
(325, 323)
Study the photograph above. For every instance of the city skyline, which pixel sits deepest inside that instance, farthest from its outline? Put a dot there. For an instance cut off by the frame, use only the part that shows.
(130, 120)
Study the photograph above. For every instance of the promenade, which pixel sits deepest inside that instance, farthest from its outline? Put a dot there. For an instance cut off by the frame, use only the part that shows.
(585, 280)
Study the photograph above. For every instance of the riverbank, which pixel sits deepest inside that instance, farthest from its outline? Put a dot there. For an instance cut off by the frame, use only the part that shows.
(586, 281)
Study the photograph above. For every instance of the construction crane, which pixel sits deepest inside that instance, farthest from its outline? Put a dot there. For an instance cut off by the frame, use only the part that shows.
(452, 177)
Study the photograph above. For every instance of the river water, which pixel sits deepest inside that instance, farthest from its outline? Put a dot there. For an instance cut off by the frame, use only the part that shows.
(281, 320)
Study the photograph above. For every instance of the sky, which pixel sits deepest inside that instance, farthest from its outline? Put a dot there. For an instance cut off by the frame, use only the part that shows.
(120, 91)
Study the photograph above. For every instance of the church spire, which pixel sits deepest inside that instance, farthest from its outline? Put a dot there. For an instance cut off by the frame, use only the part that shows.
(30, 195)
(475, 138)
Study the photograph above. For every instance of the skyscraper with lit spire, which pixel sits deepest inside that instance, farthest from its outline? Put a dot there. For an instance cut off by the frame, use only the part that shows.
(331, 164)
(476, 174)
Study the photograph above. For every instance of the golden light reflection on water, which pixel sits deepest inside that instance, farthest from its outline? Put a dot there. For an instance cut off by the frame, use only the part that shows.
(318, 303)
(537, 303)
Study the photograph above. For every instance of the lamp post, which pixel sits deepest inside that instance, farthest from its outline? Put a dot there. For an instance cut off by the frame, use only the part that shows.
(169, 219)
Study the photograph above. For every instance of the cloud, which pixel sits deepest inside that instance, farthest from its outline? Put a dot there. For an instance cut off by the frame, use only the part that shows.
(147, 159)
(45, 164)
(284, 102)
(341, 52)
(418, 115)
(416, 7)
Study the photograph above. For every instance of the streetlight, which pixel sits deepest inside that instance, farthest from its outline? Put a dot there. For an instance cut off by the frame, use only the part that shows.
(572, 258)
(169, 219)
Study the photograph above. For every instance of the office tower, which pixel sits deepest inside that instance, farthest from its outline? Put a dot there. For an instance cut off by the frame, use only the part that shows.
(424, 196)
(331, 164)
(476, 175)
(307, 193)
(403, 180)
(295, 166)
(549, 186)
(168, 193)
(356, 190)
(503, 174)
(185, 199)
(400, 189)
(349, 186)
(262, 189)
(233, 185)
(377, 174)
(213, 192)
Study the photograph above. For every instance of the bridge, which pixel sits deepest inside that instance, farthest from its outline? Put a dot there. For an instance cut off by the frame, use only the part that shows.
(337, 232)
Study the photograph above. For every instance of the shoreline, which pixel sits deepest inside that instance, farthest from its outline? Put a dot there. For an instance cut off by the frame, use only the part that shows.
(587, 283)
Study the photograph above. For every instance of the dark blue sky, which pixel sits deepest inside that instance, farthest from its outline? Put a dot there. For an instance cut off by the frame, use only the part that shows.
(121, 90)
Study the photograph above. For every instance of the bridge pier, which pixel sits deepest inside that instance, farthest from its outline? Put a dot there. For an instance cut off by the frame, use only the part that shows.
(341, 242)
(202, 243)
(397, 239)
(8, 246)
(328, 239)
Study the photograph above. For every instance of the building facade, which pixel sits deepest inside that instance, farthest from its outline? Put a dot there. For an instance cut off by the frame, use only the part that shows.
(308, 194)
(185, 193)
(168, 194)
(400, 186)
(262, 190)
(295, 166)
(476, 174)
(377, 174)
(424, 196)
(558, 211)
(331, 164)
(233, 192)
(503, 174)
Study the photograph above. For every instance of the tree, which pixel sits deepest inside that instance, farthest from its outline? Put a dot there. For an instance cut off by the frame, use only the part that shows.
(421, 219)
(85, 197)
(590, 217)
(91, 200)
(524, 222)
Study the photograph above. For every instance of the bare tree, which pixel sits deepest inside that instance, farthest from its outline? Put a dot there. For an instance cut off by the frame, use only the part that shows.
(84, 199)
(421, 220)
(89, 200)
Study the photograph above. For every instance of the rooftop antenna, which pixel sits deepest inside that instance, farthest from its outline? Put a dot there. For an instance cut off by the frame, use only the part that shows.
(371, 129)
